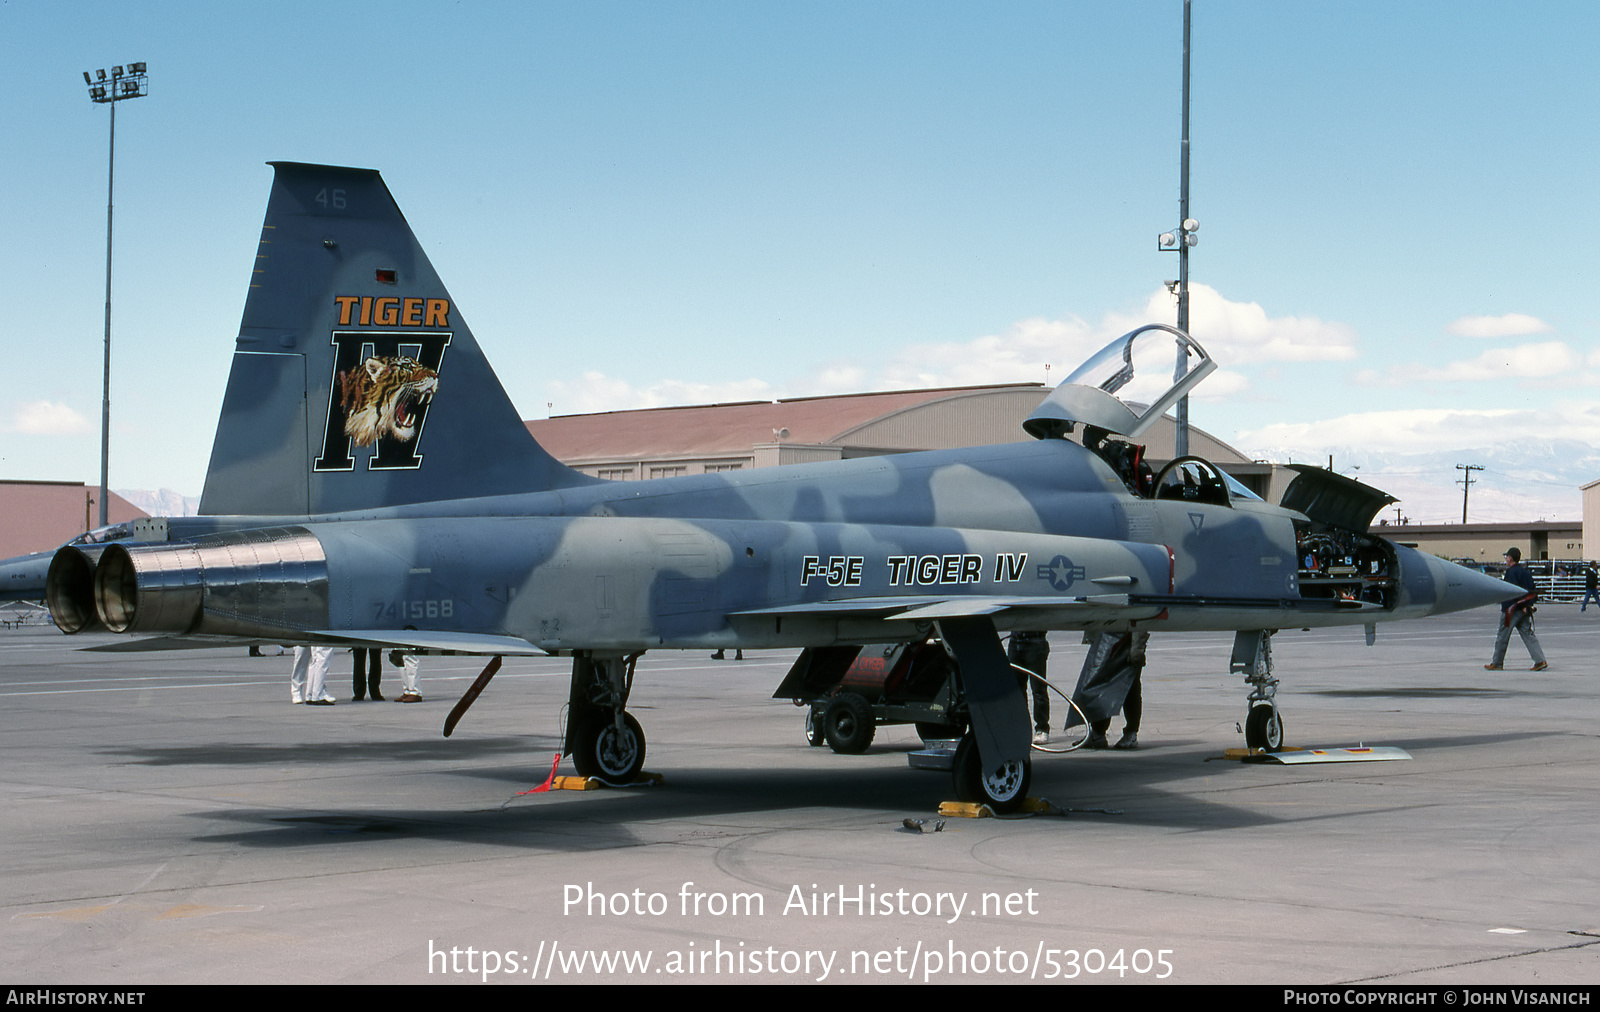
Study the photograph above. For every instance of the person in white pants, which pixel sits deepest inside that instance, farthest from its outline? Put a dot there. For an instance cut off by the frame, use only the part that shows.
(408, 664)
(308, 678)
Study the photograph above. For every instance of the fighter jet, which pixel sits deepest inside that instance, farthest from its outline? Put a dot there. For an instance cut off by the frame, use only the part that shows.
(372, 485)
(22, 577)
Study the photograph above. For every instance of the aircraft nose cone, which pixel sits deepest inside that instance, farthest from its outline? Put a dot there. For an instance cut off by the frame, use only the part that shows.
(1458, 588)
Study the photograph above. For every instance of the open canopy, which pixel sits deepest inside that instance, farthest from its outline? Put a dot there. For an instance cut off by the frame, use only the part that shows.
(1125, 386)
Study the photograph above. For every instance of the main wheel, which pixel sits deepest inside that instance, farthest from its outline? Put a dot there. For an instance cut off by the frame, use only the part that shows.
(1003, 789)
(604, 752)
(849, 724)
(814, 732)
(1264, 727)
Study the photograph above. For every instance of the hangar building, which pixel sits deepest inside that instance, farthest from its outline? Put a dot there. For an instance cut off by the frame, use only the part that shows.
(43, 515)
(703, 439)
(1542, 539)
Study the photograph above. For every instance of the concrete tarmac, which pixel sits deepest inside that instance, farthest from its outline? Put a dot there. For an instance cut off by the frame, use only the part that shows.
(171, 818)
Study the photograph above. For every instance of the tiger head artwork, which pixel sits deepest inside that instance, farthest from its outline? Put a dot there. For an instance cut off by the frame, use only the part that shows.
(385, 396)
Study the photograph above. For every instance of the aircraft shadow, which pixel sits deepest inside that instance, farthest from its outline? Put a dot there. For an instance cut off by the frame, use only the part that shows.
(1435, 692)
(1120, 788)
(399, 750)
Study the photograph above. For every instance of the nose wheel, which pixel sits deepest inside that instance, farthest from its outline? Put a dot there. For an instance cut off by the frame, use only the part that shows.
(1263, 729)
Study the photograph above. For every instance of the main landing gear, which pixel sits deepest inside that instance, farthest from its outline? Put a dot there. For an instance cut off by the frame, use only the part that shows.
(992, 764)
(1252, 657)
(604, 740)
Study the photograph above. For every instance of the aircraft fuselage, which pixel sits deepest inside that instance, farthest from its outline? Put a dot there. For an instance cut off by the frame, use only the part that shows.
(798, 556)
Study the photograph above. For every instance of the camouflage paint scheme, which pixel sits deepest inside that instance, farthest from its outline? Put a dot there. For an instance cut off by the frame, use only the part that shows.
(466, 536)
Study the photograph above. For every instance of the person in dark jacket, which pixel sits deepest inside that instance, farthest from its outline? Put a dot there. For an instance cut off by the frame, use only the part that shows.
(1517, 613)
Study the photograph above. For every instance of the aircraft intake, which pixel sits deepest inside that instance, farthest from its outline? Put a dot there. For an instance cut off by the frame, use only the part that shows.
(257, 583)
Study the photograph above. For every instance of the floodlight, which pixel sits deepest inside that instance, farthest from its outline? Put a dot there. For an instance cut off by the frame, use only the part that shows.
(125, 84)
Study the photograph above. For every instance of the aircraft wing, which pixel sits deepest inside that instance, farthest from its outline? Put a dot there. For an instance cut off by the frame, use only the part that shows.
(921, 609)
(409, 639)
(1064, 611)
(433, 642)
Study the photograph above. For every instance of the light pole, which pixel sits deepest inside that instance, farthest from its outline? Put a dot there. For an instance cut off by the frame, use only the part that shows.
(1180, 239)
(122, 84)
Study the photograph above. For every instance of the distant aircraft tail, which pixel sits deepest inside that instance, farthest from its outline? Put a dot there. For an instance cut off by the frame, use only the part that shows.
(355, 382)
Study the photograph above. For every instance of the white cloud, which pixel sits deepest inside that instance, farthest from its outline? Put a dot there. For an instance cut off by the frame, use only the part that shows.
(1532, 462)
(595, 391)
(838, 378)
(1506, 325)
(1527, 361)
(47, 418)
(1233, 332)
(1428, 429)
(1019, 354)
(1243, 332)
(1236, 333)
(1431, 498)
(1221, 385)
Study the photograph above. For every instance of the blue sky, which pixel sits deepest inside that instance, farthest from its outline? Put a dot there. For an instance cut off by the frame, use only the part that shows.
(647, 203)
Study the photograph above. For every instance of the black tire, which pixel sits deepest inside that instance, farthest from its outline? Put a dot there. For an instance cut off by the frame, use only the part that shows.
(605, 754)
(1003, 790)
(814, 733)
(930, 731)
(1264, 727)
(848, 724)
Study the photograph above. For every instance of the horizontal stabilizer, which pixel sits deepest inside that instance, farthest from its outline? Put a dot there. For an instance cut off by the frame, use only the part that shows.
(150, 644)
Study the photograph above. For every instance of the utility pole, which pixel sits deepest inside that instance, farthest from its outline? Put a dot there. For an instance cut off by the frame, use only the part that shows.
(1466, 485)
(121, 86)
(1180, 239)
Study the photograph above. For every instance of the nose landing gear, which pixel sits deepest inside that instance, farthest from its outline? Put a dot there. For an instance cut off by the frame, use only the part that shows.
(1252, 657)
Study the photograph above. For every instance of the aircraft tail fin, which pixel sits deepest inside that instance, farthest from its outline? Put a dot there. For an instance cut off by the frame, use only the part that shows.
(355, 382)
